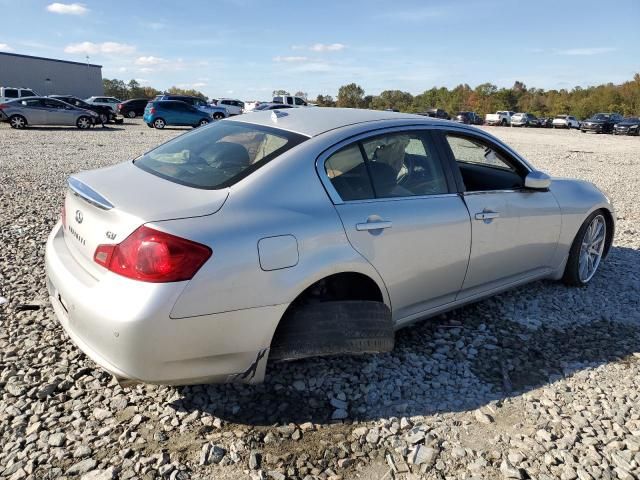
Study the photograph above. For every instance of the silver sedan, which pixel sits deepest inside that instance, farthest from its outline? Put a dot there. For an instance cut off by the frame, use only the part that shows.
(302, 232)
(45, 111)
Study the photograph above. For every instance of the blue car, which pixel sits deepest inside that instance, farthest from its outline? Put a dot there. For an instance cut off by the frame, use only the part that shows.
(158, 114)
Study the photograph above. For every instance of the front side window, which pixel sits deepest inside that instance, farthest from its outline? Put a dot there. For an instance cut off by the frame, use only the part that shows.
(386, 166)
(482, 166)
(290, 100)
(217, 156)
(28, 93)
(300, 101)
(50, 103)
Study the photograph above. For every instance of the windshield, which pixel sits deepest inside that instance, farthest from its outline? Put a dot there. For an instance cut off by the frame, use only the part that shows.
(601, 116)
(632, 119)
(219, 155)
(561, 117)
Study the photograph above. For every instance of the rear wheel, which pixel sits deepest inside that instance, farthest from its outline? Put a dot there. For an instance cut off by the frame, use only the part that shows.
(104, 118)
(333, 328)
(131, 114)
(587, 250)
(159, 123)
(218, 116)
(83, 123)
(17, 121)
(203, 122)
(503, 123)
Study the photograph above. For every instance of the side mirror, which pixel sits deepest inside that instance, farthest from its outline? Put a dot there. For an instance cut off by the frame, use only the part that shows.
(537, 180)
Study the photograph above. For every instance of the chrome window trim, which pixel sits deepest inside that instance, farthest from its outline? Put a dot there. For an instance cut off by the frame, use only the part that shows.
(326, 181)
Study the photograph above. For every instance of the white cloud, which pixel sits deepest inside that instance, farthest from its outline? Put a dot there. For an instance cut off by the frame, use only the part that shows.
(90, 48)
(586, 51)
(291, 59)
(67, 8)
(321, 47)
(149, 61)
(5, 48)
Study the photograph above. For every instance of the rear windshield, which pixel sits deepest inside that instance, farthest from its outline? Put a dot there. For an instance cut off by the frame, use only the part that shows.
(219, 155)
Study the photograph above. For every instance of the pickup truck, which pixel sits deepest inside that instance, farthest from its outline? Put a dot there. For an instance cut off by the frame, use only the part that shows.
(502, 118)
(291, 100)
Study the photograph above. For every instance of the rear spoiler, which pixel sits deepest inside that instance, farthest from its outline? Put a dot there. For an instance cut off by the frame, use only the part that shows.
(88, 194)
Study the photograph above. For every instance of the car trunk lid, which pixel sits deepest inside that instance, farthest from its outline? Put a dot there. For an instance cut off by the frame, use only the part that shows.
(105, 206)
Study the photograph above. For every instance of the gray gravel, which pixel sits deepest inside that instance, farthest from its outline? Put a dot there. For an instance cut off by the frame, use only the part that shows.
(541, 382)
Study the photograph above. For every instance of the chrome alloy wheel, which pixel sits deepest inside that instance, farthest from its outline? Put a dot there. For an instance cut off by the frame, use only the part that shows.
(592, 247)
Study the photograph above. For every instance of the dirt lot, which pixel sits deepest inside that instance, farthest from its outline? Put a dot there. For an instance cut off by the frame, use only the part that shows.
(542, 382)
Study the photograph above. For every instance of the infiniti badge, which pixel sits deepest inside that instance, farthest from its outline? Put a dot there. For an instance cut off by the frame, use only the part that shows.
(79, 216)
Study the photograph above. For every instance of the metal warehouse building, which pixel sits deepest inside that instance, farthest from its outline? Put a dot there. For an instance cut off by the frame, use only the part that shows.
(48, 76)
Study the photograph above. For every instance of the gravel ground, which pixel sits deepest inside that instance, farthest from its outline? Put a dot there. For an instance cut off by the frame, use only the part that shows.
(541, 382)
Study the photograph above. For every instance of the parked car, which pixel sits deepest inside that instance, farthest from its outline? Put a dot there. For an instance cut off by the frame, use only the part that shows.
(132, 108)
(545, 122)
(218, 266)
(12, 93)
(502, 118)
(565, 121)
(436, 113)
(161, 113)
(291, 100)
(45, 111)
(524, 120)
(104, 113)
(601, 123)
(215, 112)
(271, 106)
(111, 102)
(469, 118)
(627, 126)
(234, 107)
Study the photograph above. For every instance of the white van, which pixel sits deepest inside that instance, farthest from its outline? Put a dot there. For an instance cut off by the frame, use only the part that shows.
(11, 93)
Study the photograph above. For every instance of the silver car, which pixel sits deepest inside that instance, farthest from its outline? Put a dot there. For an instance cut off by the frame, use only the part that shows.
(45, 111)
(312, 231)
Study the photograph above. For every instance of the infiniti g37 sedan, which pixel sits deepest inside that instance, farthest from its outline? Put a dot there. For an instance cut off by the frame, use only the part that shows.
(302, 232)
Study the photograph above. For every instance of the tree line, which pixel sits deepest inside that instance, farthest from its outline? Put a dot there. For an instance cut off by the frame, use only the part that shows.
(133, 89)
(484, 98)
(488, 98)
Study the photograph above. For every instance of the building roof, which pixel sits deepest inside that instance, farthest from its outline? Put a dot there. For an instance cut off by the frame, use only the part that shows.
(312, 121)
(49, 59)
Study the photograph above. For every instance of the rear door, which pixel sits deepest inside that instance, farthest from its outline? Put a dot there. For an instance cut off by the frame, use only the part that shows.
(396, 202)
(34, 111)
(514, 230)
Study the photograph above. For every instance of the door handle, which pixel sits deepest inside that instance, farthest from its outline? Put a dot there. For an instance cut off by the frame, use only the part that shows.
(378, 225)
(487, 215)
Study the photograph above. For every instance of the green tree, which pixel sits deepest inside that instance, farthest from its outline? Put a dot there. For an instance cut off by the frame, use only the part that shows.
(351, 96)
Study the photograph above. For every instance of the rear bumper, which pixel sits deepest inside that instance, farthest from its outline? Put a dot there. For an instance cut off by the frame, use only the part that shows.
(124, 326)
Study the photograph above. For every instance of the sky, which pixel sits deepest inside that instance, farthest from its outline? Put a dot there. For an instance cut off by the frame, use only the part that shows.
(245, 49)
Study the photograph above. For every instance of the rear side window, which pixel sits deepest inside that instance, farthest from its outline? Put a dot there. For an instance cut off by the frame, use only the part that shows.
(11, 93)
(348, 174)
(394, 165)
(219, 155)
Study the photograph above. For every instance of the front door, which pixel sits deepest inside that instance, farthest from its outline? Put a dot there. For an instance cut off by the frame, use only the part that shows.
(514, 231)
(399, 212)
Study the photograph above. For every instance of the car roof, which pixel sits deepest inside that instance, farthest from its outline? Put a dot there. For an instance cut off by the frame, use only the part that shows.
(312, 121)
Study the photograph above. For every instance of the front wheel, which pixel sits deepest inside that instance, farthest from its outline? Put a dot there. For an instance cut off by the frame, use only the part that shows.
(587, 250)
(203, 122)
(83, 123)
(131, 114)
(159, 123)
(17, 121)
(218, 116)
(104, 118)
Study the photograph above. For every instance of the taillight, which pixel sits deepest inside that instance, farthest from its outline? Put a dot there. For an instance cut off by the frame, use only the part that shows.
(152, 110)
(63, 216)
(119, 106)
(149, 255)
(3, 106)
